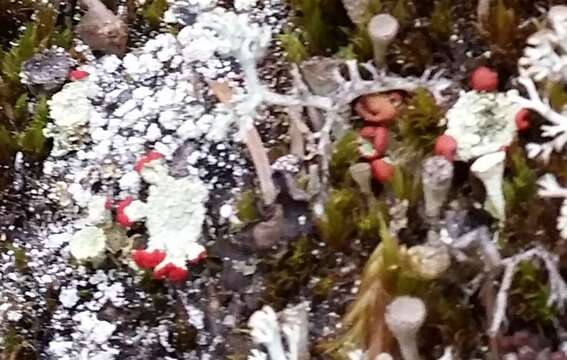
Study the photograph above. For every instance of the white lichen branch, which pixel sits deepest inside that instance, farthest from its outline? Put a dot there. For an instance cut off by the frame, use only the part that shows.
(557, 128)
(267, 331)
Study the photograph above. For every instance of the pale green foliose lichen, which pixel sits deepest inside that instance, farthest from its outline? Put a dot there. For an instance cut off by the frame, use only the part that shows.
(482, 123)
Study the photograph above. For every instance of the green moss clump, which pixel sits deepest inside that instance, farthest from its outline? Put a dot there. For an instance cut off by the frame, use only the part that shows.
(20, 259)
(290, 272)
(31, 140)
(557, 95)
(293, 46)
(339, 224)
(529, 295)
(521, 186)
(153, 12)
(322, 23)
(441, 25)
(345, 154)
(21, 130)
(418, 124)
(323, 287)
(387, 273)
(405, 185)
(246, 208)
(401, 11)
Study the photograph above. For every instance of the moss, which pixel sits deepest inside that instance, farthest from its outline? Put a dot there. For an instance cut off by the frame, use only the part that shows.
(521, 186)
(293, 46)
(368, 225)
(345, 154)
(31, 140)
(290, 272)
(7, 145)
(184, 335)
(153, 12)
(12, 341)
(63, 38)
(418, 123)
(246, 208)
(557, 95)
(321, 22)
(20, 260)
(503, 33)
(412, 53)
(346, 52)
(441, 25)
(386, 274)
(339, 223)
(401, 12)
(529, 295)
(24, 48)
(323, 287)
(21, 131)
(406, 185)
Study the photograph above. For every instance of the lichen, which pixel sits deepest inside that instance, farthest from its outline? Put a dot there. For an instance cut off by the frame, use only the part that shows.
(173, 213)
(482, 123)
(70, 110)
(88, 243)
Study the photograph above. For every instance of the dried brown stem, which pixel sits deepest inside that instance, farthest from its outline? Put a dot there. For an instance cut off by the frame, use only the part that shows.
(261, 162)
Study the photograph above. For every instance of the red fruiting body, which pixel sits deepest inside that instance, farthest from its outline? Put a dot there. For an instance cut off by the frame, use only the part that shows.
(121, 217)
(368, 132)
(177, 274)
(172, 273)
(77, 75)
(108, 204)
(382, 171)
(148, 259)
(366, 150)
(523, 120)
(381, 140)
(484, 79)
(446, 146)
(149, 157)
